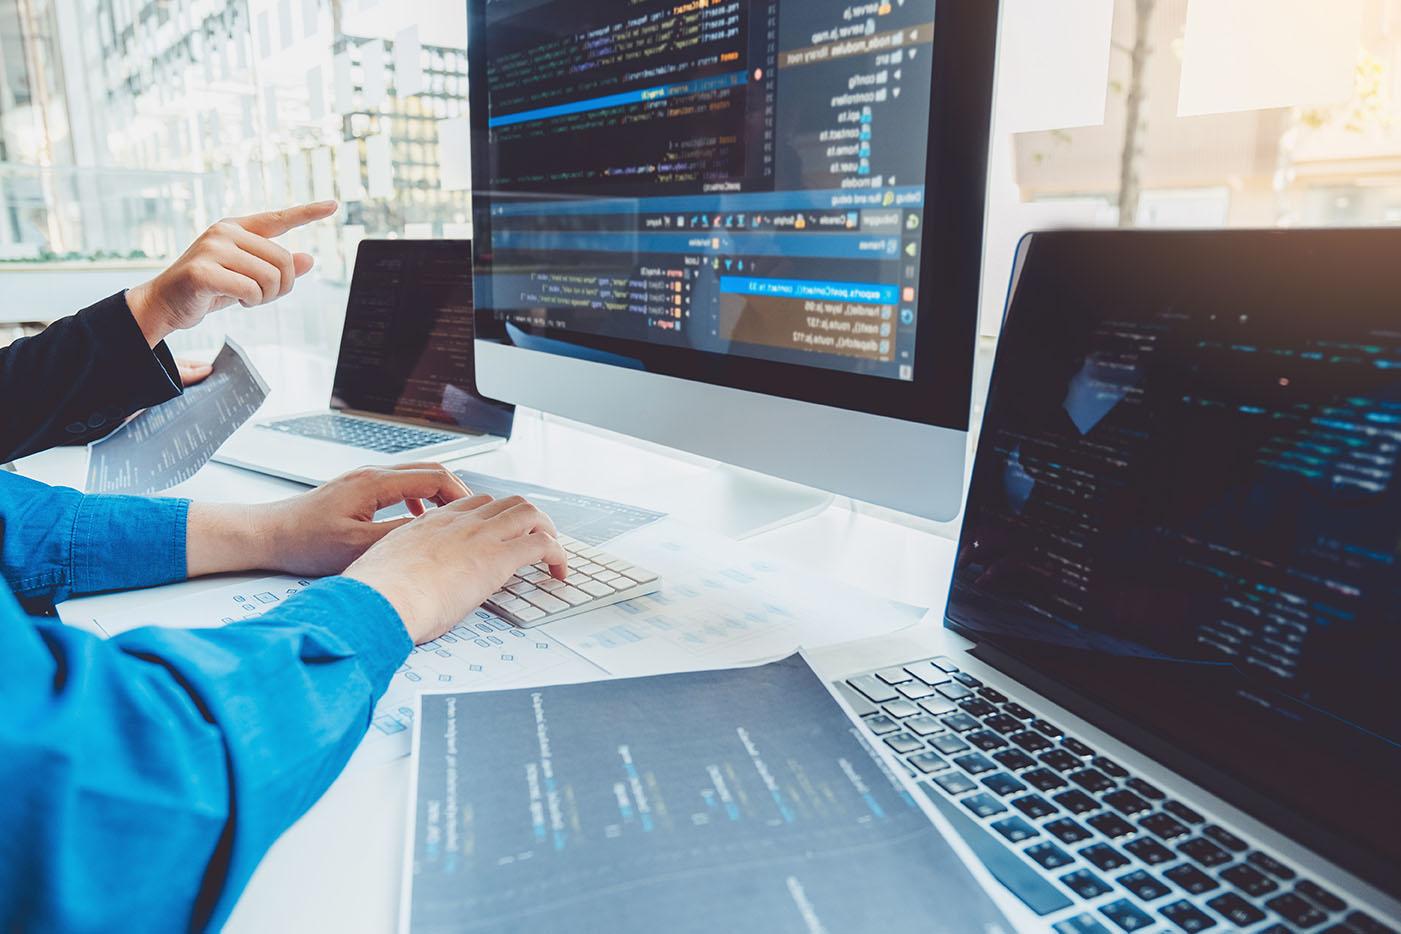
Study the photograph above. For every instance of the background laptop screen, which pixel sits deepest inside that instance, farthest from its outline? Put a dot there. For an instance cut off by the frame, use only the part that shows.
(1185, 509)
(407, 347)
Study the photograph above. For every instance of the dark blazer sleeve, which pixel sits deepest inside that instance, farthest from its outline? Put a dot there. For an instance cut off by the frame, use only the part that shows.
(79, 379)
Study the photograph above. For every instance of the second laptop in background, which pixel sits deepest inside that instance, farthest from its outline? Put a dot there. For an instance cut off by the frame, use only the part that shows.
(404, 387)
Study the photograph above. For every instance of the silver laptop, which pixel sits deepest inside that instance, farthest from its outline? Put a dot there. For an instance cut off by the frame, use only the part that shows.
(404, 387)
(1172, 701)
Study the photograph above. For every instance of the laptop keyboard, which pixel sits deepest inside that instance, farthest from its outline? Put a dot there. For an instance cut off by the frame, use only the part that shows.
(1076, 836)
(366, 433)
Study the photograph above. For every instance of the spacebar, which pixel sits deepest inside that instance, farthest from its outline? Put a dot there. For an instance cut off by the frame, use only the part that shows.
(1020, 879)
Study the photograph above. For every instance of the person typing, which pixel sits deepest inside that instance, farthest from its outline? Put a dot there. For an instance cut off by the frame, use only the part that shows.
(146, 775)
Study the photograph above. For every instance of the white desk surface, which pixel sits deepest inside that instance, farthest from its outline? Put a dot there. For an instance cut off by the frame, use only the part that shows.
(339, 867)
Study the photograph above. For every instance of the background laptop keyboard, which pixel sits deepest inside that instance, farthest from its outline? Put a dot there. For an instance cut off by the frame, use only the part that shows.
(366, 433)
(1073, 834)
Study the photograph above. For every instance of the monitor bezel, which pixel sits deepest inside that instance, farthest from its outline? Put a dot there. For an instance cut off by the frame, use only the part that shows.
(958, 142)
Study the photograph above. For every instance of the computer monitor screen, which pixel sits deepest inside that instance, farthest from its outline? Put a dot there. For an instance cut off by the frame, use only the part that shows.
(407, 346)
(783, 196)
(1185, 509)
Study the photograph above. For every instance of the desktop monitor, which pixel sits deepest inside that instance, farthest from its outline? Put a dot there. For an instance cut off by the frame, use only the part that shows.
(750, 229)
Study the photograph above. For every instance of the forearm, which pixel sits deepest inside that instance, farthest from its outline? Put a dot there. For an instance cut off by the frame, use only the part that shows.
(224, 539)
(81, 376)
(149, 779)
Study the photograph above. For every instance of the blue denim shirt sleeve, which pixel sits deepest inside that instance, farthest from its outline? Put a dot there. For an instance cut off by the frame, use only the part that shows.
(145, 776)
(56, 542)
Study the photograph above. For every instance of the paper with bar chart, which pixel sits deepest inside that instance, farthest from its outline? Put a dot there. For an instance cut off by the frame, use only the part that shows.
(740, 800)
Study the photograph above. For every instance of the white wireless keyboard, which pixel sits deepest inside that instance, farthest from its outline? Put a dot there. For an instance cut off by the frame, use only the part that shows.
(596, 579)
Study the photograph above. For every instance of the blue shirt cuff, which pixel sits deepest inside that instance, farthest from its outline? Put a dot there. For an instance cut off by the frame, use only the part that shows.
(367, 622)
(123, 542)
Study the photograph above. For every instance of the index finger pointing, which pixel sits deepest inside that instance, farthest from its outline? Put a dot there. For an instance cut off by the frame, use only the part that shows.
(277, 223)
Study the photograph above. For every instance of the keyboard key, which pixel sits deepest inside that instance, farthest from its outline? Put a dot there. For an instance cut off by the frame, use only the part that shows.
(1077, 747)
(596, 588)
(1318, 895)
(872, 688)
(1035, 807)
(993, 695)
(967, 680)
(1151, 792)
(1092, 780)
(1015, 829)
(904, 742)
(893, 675)
(1110, 767)
(1080, 924)
(1182, 812)
(1014, 759)
(978, 708)
(943, 663)
(1295, 910)
(1012, 708)
(1077, 802)
(915, 690)
(1225, 838)
(572, 596)
(900, 709)
(880, 724)
(1049, 856)
(1144, 886)
(1150, 851)
(937, 706)
(1126, 915)
(857, 702)
(1366, 924)
(1085, 884)
(1060, 760)
(923, 726)
(546, 602)
(1050, 729)
(1249, 881)
(927, 673)
(1105, 857)
(961, 722)
(1190, 879)
(1188, 917)
(955, 783)
(1002, 723)
(1004, 784)
(986, 740)
(1067, 831)
(928, 762)
(954, 691)
(1274, 867)
(1111, 825)
(1031, 742)
(1236, 910)
(975, 764)
(1164, 827)
(983, 805)
(1043, 780)
(1126, 802)
(948, 744)
(1205, 852)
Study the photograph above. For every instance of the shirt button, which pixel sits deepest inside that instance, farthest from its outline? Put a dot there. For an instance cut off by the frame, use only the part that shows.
(76, 428)
(97, 420)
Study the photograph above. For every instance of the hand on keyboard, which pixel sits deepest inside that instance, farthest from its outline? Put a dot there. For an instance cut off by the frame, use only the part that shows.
(321, 532)
(441, 566)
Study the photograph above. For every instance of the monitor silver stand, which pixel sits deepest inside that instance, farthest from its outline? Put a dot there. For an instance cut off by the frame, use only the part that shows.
(735, 502)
